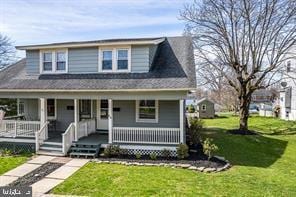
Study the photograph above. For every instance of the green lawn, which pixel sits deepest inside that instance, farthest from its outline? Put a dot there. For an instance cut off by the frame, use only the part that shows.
(9, 162)
(263, 165)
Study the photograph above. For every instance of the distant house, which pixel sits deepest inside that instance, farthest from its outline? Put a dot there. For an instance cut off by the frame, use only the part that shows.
(262, 96)
(288, 92)
(205, 108)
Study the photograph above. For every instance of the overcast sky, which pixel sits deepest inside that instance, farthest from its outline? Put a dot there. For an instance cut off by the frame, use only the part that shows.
(45, 21)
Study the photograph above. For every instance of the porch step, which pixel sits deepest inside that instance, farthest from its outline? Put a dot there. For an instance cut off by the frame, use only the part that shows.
(52, 143)
(50, 153)
(50, 147)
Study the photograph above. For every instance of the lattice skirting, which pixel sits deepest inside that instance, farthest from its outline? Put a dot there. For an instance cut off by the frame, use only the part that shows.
(173, 153)
(17, 147)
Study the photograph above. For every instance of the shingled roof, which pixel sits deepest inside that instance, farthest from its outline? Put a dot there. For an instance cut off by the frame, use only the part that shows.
(173, 68)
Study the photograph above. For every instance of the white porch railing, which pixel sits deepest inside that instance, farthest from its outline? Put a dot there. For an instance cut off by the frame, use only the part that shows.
(146, 135)
(68, 138)
(85, 127)
(19, 128)
(41, 136)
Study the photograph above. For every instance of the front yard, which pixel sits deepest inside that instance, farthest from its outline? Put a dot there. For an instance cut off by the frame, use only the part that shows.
(263, 165)
(9, 162)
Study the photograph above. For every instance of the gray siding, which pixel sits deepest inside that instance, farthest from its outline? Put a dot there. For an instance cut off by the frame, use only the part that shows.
(83, 60)
(31, 109)
(64, 116)
(140, 58)
(168, 115)
(32, 62)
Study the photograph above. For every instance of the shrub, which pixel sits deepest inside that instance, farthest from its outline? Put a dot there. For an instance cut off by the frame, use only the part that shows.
(138, 155)
(166, 153)
(153, 156)
(196, 126)
(112, 150)
(6, 152)
(182, 151)
(123, 151)
(209, 147)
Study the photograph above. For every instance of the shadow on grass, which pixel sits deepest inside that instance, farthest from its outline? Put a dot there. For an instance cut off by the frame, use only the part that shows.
(250, 150)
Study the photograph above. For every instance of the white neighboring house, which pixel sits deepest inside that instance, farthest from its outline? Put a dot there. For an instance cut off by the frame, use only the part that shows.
(288, 92)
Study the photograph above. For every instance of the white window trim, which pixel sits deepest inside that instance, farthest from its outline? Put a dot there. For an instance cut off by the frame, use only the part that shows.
(55, 110)
(114, 59)
(54, 61)
(147, 120)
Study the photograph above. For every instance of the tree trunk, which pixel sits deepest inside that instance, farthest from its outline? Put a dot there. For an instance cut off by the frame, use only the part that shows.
(244, 113)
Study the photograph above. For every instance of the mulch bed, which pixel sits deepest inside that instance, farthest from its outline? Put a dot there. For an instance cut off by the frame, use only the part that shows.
(36, 175)
(194, 159)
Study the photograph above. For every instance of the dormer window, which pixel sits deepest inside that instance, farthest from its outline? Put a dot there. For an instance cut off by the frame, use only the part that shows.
(61, 61)
(47, 61)
(107, 60)
(115, 59)
(54, 61)
(122, 59)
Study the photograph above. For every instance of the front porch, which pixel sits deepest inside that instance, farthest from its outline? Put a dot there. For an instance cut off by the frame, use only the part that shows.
(57, 126)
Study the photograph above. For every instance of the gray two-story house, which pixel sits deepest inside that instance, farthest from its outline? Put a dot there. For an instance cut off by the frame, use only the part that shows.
(119, 91)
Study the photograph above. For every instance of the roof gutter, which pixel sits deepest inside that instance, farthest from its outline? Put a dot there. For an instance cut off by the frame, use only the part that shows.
(99, 90)
(88, 44)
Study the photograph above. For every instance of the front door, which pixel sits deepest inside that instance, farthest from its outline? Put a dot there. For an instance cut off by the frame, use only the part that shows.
(102, 114)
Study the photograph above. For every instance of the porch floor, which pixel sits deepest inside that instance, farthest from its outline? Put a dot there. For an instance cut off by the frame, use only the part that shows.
(93, 139)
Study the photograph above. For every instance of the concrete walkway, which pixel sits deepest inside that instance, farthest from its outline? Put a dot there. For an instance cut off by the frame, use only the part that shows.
(22, 170)
(46, 184)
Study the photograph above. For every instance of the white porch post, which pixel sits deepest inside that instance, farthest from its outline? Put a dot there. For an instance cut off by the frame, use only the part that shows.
(43, 114)
(18, 106)
(181, 103)
(110, 119)
(76, 117)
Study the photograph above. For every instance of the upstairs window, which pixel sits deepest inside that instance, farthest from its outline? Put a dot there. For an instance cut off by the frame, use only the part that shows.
(107, 60)
(288, 66)
(115, 59)
(122, 59)
(54, 61)
(61, 61)
(47, 61)
(147, 111)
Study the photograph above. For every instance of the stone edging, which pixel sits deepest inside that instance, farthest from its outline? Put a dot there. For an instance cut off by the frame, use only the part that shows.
(171, 164)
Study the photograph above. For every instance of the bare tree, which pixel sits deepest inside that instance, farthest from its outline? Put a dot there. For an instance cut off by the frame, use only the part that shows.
(249, 37)
(7, 51)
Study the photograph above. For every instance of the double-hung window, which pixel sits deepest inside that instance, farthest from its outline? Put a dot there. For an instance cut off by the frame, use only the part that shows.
(61, 61)
(54, 61)
(47, 61)
(115, 59)
(147, 111)
(107, 60)
(122, 59)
